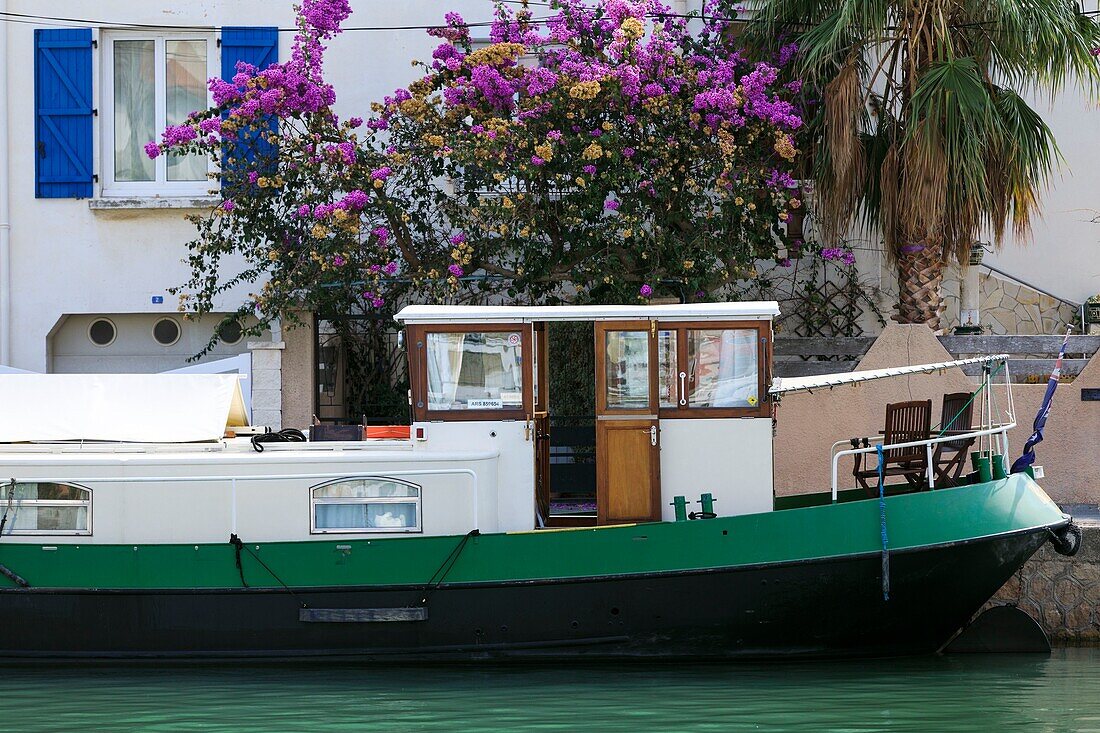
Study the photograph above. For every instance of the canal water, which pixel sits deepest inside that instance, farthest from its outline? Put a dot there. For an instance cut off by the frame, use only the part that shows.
(961, 693)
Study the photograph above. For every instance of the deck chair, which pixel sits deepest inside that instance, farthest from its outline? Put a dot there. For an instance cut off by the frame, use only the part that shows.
(956, 418)
(906, 422)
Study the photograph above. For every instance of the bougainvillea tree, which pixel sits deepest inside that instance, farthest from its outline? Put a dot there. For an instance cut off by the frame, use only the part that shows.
(607, 153)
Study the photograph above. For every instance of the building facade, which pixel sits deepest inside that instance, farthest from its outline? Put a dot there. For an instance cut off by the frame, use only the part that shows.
(93, 233)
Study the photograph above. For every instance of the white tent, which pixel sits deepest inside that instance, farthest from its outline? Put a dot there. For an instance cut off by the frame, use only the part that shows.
(142, 408)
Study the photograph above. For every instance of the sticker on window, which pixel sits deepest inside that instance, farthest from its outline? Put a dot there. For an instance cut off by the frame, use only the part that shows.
(513, 339)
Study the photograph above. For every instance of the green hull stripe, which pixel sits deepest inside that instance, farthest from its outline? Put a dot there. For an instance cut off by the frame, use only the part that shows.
(914, 520)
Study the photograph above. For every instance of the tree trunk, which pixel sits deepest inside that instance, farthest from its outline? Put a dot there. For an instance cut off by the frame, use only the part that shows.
(920, 274)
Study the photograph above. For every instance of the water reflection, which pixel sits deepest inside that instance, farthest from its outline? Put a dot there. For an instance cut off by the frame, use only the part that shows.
(962, 693)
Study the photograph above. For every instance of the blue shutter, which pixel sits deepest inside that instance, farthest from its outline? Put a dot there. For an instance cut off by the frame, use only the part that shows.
(63, 113)
(260, 47)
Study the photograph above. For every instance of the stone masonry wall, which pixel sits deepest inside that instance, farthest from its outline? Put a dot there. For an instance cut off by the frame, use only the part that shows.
(1008, 307)
(1061, 593)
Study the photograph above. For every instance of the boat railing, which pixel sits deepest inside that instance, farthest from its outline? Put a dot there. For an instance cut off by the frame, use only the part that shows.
(998, 432)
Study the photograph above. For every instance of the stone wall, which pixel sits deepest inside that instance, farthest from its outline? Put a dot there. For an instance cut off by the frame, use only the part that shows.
(1008, 307)
(1061, 593)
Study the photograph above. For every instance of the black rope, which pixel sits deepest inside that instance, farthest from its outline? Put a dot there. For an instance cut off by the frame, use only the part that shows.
(13, 577)
(286, 435)
(448, 563)
(238, 545)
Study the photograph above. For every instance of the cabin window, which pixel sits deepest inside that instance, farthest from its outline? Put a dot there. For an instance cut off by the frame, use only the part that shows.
(722, 368)
(46, 508)
(710, 370)
(365, 505)
(475, 370)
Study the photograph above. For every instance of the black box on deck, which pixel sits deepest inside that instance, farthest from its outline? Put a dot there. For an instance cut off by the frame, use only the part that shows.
(328, 431)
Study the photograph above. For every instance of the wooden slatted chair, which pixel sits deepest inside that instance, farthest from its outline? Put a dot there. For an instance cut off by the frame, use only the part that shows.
(906, 422)
(956, 417)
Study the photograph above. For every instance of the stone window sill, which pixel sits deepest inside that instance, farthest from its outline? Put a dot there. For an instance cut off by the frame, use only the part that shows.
(130, 203)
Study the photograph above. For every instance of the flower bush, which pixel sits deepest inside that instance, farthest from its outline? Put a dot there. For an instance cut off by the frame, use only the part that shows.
(605, 154)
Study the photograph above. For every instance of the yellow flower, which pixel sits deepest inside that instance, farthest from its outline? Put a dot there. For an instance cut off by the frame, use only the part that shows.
(507, 202)
(581, 182)
(584, 89)
(319, 231)
(495, 54)
(592, 152)
(752, 206)
(545, 151)
(739, 201)
(607, 126)
(794, 203)
(378, 183)
(632, 28)
(688, 264)
(435, 140)
(628, 233)
(784, 146)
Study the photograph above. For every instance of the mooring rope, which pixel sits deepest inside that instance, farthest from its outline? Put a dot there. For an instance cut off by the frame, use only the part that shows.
(882, 524)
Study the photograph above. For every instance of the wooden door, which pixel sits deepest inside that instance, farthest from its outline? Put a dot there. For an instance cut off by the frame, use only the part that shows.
(627, 435)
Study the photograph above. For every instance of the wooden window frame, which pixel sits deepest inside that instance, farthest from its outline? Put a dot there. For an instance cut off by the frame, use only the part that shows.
(763, 361)
(637, 326)
(418, 372)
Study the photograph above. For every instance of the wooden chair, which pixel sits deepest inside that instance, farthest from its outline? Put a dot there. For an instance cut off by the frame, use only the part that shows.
(906, 422)
(956, 418)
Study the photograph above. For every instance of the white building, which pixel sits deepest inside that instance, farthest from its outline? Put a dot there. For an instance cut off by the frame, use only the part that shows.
(92, 232)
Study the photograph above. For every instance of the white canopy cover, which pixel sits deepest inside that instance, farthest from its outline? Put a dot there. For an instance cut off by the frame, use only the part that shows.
(132, 408)
(786, 385)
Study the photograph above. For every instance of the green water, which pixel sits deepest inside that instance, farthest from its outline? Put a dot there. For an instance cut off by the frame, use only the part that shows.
(970, 693)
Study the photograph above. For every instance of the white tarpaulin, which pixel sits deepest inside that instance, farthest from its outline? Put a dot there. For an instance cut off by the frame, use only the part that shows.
(786, 385)
(138, 408)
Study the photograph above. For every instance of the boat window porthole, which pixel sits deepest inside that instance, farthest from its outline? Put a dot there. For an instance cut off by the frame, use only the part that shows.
(166, 331)
(230, 333)
(102, 332)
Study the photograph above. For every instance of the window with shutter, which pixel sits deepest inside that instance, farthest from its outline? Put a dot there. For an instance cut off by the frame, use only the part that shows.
(258, 46)
(152, 80)
(63, 112)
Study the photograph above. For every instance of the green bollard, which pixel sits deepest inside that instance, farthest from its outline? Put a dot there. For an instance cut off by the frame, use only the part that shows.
(981, 465)
(681, 504)
(998, 467)
(707, 500)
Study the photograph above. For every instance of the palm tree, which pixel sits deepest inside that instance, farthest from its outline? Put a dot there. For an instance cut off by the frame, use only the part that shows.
(922, 132)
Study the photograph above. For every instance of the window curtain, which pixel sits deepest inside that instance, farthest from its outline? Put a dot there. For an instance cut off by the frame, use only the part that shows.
(134, 92)
(445, 352)
(737, 377)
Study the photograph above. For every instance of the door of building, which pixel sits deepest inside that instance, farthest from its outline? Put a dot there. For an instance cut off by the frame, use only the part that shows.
(627, 436)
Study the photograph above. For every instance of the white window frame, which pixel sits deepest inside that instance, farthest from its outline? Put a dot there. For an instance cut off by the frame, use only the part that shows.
(417, 500)
(161, 186)
(20, 503)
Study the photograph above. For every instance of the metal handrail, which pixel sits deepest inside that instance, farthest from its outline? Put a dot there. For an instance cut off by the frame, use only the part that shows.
(928, 443)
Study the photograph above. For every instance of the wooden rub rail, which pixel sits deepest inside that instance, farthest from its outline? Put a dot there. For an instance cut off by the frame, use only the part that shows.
(1032, 356)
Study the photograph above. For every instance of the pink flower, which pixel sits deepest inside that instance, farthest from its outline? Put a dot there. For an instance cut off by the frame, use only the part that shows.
(455, 270)
(536, 160)
(152, 150)
(458, 238)
(645, 291)
(390, 268)
(382, 234)
(611, 205)
(338, 261)
(228, 205)
(253, 176)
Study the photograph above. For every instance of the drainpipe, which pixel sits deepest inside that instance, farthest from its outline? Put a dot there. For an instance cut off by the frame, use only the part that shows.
(5, 195)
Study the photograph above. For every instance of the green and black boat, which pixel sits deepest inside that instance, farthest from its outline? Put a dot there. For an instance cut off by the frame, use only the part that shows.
(452, 543)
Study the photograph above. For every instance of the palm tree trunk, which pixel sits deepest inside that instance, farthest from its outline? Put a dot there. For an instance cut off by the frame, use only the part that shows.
(920, 273)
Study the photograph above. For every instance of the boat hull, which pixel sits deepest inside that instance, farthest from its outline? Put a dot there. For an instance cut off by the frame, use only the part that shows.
(822, 607)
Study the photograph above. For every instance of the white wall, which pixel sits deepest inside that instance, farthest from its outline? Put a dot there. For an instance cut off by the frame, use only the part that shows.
(70, 259)
(729, 458)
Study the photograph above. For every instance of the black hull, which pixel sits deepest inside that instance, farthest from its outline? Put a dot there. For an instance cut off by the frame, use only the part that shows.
(830, 607)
